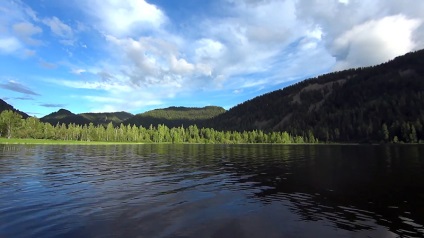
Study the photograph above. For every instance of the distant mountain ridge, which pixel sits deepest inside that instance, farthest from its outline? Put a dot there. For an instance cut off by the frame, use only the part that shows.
(171, 117)
(175, 116)
(104, 118)
(65, 116)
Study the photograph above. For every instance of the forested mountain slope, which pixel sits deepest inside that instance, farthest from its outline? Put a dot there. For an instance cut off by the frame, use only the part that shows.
(379, 103)
(5, 106)
(65, 116)
(175, 116)
(105, 118)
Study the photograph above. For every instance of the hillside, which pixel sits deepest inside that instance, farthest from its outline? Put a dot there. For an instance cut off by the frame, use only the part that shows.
(106, 117)
(379, 103)
(64, 116)
(175, 116)
(5, 106)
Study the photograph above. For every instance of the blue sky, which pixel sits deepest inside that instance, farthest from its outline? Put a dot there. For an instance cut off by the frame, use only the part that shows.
(138, 55)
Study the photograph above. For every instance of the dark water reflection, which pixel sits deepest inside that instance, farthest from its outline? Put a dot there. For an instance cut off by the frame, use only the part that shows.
(211, 191)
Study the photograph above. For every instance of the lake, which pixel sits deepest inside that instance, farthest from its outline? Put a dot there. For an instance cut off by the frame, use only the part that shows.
(211, 191)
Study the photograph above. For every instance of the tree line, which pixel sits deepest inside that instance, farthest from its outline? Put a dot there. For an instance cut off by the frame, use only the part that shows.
(13, 126)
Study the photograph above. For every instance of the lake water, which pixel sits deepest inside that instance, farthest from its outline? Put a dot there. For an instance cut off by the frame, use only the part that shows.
(211, 191)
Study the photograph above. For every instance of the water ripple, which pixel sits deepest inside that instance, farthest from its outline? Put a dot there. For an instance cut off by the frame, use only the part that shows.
(211, 190)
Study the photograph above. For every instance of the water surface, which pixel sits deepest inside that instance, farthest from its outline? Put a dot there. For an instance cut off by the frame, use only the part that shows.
(211, 191)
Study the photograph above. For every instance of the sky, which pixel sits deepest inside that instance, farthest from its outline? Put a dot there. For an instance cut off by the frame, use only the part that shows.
(139, 55)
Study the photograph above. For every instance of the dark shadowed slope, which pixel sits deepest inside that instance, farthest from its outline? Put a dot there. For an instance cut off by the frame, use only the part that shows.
(379, 103)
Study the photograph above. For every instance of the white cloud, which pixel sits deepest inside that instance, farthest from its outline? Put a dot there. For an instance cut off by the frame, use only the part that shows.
(248, 40)
(375, 41)
(207, 49)
(151, 61)
(180, 66)
(364, 33)
(248, 44)
(121, 18)
(9, 45)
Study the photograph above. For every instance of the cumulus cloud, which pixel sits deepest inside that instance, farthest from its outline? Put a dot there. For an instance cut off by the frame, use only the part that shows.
(151, 61)
(363, 33)
(18, 87)
(246, 45)
(375, 41)
(245, 42)
(122, 18)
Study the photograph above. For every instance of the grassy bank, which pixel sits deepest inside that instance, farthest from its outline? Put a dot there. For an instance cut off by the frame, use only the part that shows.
(57, 142)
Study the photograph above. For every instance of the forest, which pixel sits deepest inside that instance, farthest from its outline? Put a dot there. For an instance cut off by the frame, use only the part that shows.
(12, 125)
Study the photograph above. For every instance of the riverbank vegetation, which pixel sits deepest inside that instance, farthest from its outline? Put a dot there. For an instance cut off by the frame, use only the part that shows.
(12, 126)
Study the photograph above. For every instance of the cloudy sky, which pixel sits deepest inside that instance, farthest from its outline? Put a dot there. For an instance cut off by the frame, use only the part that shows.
(138, 55)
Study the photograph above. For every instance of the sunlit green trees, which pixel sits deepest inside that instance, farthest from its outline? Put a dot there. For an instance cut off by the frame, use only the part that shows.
(9, 122)
(12, 124)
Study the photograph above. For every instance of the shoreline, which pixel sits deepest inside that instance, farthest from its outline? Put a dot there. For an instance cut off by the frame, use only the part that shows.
(14, 141)
(5, 141)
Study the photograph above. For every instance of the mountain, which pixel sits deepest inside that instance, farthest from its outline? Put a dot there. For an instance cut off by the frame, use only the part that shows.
(175, 116)
(105, 118)
(64, 116)
(371, 104)
(172, 117)
(5, 106)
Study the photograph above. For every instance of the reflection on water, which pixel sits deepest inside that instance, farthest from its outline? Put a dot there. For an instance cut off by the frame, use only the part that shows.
(211, 191)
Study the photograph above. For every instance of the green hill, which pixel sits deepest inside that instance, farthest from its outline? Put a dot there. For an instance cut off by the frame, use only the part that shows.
(64, 116)
(105, 118)
(379, 103)
(175, 116)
